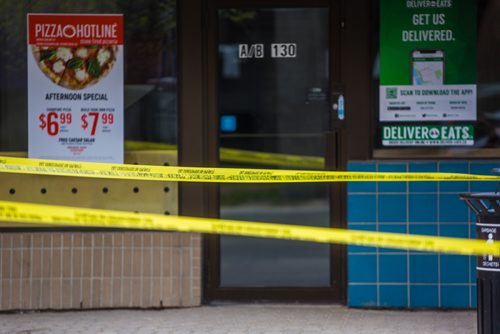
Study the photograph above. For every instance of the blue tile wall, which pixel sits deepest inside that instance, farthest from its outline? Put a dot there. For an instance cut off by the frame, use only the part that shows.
(362, 268)
(473, 293)
(422, 208)
(393, 295)
(455, 296)
(424, 295)
(424, 229)
(454, 268)
(392, 187)
(424, 268)
(483, 168)
(382, 277)
(363, 295)
(391, 208)
(455, 230)
(452, 209)
(361, 208)
(393, 268)
(472, 269)
(423, 167)
(453, 167)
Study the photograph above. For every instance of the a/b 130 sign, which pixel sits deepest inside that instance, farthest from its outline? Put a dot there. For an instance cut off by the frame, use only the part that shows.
(277, 50)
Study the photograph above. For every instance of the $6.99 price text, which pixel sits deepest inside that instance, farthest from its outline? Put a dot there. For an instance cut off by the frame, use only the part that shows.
(52, 121)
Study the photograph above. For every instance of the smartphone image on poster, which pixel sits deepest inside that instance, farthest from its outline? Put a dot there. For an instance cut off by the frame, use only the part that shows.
(427, 67)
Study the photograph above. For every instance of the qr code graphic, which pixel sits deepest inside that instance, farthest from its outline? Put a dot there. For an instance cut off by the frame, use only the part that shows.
(391, 93)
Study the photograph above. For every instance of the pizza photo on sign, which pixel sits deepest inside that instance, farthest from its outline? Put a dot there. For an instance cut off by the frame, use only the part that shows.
(75, 67)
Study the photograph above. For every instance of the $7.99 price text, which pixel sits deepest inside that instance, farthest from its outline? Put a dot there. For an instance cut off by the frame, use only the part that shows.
(52, 121)
(93, 118)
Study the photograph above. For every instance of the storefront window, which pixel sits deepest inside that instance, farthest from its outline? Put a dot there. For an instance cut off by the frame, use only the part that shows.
(150, 67)
(448, 68)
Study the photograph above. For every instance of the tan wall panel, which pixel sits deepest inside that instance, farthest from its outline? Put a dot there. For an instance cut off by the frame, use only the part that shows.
(90, 277)
(77, 269)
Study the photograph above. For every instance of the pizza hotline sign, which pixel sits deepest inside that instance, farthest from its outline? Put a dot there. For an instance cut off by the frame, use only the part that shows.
(75, 87)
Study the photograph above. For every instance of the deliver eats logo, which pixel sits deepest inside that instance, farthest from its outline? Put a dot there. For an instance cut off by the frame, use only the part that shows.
(428, 135)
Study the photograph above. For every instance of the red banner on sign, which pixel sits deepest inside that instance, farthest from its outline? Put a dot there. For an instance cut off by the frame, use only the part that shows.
(73, 30)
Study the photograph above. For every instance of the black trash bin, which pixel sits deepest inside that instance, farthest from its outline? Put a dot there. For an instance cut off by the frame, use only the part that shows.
(487, 208)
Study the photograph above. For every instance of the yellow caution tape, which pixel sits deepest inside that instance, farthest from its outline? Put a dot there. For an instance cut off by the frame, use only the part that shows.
(243, 156)
(218, 175)
(132, 145)
(14, 213)
(271, 159)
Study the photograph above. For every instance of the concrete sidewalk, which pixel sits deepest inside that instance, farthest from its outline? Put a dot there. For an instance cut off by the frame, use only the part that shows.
(237, 318)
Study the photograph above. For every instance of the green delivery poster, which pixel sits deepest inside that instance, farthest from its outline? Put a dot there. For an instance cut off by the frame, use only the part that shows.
(427, 60)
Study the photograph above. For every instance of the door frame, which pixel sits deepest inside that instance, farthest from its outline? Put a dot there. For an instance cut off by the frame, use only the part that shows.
(337, 291)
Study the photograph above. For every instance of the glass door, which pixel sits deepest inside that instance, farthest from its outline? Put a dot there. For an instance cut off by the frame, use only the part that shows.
(273, 94)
